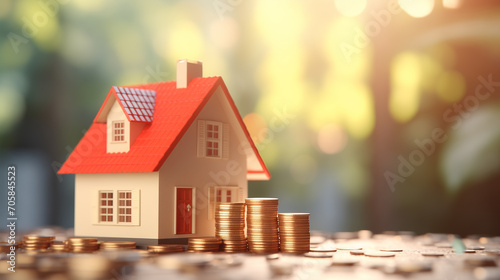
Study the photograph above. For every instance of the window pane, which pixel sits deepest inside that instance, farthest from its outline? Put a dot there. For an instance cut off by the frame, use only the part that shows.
(121, 211)
(129, 219)
(122, 195)
(110, 218)
(129, 202)
(110, 210)
(110, 195)
(103, 218)
(129, 211)
(103, 202)
(129, 195)
(121, 219)
(110, 202)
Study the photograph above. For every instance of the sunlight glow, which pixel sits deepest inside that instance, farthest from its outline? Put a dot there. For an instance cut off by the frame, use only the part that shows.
(452, 4)
(405, 86)
(350, 8)
(417, 8)
(332, 139)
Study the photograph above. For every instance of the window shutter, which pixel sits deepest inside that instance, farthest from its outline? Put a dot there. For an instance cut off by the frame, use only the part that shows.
(94, 207)
(225, 141)
(201, 138)
(136, 207)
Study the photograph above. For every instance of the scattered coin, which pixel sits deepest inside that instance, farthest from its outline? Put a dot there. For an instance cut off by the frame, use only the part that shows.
(432, 254)
(357, 252)
(323, 250)
(480, 261)
(379, 254)
(318, 255)
(391, 250)
(343, 262)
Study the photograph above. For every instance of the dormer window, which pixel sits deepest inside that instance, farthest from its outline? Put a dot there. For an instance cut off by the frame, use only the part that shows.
(118, 131)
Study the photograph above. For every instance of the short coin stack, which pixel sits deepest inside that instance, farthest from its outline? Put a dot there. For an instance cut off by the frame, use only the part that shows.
(58, 247)
(262, 225)
(166, 248)
(294, 232)
(230, 226)
(33, 242)
(117, 245)
(82, 245)
(204, 244)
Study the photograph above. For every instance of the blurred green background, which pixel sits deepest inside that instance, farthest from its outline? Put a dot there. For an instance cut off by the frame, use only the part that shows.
(379, 115)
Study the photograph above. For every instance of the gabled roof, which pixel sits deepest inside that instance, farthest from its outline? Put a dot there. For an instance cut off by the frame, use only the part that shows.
(174, 111)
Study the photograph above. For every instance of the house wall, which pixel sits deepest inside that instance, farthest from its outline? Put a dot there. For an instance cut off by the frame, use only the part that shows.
(184, 169)
(87, 187)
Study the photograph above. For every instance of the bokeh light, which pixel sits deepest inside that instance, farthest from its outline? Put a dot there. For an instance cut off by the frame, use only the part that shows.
(332, 139)
(405, 81)
(417, 8)
(451, 86)
(452, 4)
(256, 126)
(350, 8)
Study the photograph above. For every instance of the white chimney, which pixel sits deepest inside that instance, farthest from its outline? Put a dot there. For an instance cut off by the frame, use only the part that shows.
(188, 70)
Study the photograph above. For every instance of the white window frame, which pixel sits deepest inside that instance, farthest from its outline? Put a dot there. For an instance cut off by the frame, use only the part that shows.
(213, 140)
(125, 204)
(106, 207)
(135, 208)
(121, 130)
(222, 140)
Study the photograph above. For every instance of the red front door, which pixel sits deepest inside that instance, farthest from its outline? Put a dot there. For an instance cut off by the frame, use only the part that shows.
(184, 211)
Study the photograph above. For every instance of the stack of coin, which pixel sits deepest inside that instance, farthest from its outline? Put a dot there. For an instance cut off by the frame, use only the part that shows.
(33, 242)
(204, 244)
(82, 245)
(58, 247)
(5, 246)
(230, 226)
(294, 232)
(262, 225)
(113, 245)
(165, 248)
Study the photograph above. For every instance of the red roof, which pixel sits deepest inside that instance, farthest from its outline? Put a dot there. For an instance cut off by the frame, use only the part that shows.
(174, 112)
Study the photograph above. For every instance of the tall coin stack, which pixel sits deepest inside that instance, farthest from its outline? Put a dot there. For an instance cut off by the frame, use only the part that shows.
(294, 232)
(230, 226)
(262, 225)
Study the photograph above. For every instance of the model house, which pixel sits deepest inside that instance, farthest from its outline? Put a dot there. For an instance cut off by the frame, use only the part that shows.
(158, 157)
